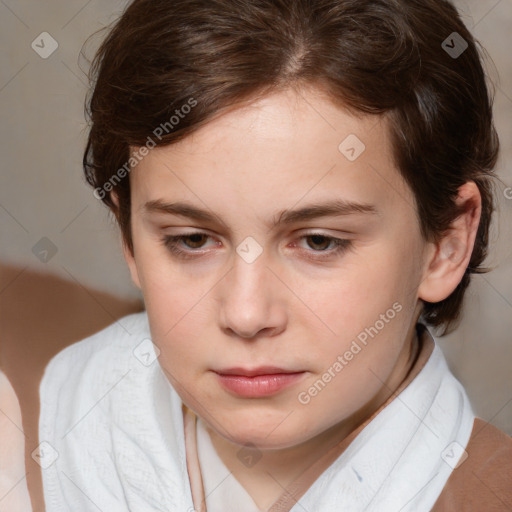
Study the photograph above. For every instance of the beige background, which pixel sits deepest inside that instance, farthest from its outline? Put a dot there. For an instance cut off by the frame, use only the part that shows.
(43, 193)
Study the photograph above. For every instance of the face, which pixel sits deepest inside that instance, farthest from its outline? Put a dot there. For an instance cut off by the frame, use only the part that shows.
(279, 308)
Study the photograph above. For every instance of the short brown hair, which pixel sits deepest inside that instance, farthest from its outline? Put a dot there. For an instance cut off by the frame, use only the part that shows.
(382, 57)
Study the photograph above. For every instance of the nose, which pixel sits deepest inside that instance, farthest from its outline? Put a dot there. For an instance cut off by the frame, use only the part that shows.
(252, 300)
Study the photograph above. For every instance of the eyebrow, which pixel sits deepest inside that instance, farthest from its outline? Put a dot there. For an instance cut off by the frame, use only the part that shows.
(334, 208)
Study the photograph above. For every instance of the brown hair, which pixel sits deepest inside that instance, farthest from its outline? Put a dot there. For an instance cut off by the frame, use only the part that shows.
(377, 57)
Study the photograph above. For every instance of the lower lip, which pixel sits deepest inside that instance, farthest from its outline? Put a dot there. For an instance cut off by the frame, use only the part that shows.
(259, 385)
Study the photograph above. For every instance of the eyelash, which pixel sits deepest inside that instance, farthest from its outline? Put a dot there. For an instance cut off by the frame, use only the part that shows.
(171, 243)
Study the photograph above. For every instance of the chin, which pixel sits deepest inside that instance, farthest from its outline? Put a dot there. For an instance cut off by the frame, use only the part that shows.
(265, 434)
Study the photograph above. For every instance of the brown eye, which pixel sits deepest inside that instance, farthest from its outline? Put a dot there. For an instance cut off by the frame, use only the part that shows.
(322, 246)
(196, 238)
(184, 246)
(319, 240)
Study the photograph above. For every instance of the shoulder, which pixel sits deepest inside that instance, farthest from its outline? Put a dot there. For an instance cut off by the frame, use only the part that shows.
(104, 348)
(482, 480)
(87, 391)
(82, 372)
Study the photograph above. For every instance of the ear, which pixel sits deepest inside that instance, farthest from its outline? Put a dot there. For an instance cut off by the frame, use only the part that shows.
(450, 256)
(128, 256)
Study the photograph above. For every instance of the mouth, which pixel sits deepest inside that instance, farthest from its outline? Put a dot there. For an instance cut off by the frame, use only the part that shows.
(255, 372)
(257, 382)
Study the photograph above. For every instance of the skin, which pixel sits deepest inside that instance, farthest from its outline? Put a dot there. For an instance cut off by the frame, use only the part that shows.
(298, 305)
(14, 494)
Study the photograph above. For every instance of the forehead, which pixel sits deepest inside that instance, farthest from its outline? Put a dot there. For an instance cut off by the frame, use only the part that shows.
(286, 145)
(301, 118)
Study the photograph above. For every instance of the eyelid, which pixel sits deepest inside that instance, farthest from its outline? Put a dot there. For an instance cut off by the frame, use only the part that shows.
(334, 233)
(341, 245)
(338, 233)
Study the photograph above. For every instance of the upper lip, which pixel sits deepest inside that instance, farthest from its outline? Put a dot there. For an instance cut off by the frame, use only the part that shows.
(251, 372)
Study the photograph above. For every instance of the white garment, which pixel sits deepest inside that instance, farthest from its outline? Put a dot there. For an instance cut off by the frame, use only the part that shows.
(115, 425)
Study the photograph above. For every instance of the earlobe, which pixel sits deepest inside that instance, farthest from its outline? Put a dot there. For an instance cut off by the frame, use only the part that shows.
(446, 267)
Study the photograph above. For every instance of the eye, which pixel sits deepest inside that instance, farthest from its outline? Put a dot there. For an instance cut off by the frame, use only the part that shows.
(172, 243)
(195, 241)
(322, 243)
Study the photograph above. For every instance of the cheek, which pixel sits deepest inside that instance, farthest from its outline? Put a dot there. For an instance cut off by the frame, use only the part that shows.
(181, 341)
(354, 296)
(176, 323)
(170, 290)
(173, 303)
(364, 311)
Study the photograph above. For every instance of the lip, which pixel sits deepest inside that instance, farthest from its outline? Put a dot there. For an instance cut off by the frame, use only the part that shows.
(257, 382)
(253, 372)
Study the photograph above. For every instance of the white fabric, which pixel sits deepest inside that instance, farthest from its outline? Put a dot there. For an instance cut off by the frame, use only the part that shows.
(220, 485)
(117, 427)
